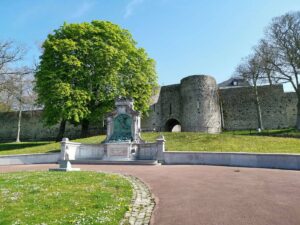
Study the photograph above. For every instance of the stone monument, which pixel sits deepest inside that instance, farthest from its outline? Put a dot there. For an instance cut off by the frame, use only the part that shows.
(123, 131)
(123, 143)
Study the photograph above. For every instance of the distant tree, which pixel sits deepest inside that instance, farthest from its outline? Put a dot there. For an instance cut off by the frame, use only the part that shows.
(6, 101)
(12, 83)
(15, 82)
(251, 70)
(266, 55)
(283, 51)
(10, 53)
(84, 67)
(277, 56)
(19, 86)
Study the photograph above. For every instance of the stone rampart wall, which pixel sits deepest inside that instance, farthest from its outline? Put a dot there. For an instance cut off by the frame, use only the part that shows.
(240, 112)
(32, 127)
(166, 106)
(238, 107)
(193, 104)
(291, 108)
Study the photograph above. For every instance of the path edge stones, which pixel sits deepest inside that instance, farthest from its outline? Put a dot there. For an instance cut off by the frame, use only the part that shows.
(142, 203)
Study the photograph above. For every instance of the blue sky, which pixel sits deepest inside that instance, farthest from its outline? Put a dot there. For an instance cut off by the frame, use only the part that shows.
(184, 37)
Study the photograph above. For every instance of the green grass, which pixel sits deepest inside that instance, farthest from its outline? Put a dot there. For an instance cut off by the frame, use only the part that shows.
(63, 198)
(12, 148)
(288, 132)
(226, 142)
(238, 141)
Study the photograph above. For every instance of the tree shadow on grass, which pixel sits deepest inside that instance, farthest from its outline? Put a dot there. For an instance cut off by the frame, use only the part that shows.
(16, 146)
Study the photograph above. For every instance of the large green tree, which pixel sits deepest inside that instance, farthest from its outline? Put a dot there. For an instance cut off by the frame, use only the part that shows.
(84, 67)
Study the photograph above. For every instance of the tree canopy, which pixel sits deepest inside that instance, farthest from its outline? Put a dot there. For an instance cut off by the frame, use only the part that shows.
(84, 67)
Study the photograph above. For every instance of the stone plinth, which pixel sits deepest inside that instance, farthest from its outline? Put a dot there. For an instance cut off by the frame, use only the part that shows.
(65, 166)
(118, 151)
(123, 140)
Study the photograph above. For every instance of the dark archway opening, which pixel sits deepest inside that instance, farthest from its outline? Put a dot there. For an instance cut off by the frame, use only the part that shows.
(173, 125)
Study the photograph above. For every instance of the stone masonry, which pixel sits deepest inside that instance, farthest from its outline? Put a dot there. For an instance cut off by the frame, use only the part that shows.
(142, 204)
(193, 104)
(196, 104)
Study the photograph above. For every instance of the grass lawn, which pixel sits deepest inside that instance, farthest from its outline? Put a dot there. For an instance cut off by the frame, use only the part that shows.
(12, 148)
(288, 132)
(63, 198)
(183, 141)
(226, 142)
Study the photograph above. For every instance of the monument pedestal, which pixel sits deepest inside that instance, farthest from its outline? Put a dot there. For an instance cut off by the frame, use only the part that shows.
(65, 166)
(123, 144)
(118, 151)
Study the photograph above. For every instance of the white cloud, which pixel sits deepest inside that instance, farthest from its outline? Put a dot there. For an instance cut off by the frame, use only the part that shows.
(131, 7)
(82, 9)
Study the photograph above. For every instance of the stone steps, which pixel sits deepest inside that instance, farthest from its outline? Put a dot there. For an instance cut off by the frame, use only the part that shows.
(115, 162)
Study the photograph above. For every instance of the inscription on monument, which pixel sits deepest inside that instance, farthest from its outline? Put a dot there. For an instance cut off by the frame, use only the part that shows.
(118, 150)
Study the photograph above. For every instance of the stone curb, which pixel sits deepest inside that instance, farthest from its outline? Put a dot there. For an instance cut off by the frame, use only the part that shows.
(142, 203)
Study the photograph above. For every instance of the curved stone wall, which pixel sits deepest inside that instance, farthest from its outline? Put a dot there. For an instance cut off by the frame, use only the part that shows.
(200, 108)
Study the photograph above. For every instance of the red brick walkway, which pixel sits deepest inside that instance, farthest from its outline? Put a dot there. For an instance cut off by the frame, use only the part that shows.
(207, 195)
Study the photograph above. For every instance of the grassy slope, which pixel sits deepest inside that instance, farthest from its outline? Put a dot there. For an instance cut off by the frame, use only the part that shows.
(63, 198)
(40, 147)
(288, 132)
(225, 142)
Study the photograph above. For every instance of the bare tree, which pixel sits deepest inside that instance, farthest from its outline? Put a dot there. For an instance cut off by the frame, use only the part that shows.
(16, 90)
(6, 99)
(10, 53)
(251, 70)
(21, 89)
(283, 52)
(265, 55)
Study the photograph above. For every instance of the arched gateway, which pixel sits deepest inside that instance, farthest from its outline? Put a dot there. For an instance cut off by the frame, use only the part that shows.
(173, 125)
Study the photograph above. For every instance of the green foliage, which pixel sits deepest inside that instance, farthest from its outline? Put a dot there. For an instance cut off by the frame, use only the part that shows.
(63, 198)
(84, 67)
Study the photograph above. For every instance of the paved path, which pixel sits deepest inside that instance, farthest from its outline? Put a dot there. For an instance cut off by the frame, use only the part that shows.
(208, 195)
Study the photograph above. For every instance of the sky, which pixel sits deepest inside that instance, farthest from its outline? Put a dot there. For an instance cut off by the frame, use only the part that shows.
(184, 37)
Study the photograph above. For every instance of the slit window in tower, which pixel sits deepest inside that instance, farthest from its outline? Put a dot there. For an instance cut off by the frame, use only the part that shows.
(170, 108)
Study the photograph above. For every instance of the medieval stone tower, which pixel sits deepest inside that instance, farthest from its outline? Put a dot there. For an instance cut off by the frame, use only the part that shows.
(193, 104)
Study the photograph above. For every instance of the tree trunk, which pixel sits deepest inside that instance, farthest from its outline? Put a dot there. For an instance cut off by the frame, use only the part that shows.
(269, 78)
(84, 128)
(61, 132)
(222, 114)
(298, 110)
(258, 109)
(19, 124)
